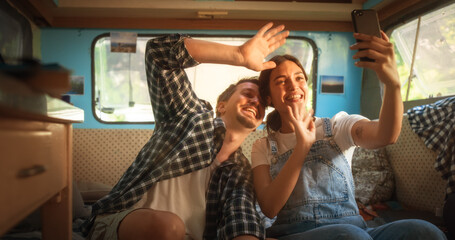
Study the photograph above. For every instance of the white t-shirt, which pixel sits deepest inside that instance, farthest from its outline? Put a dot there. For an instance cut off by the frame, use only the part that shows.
(341, 130)
(183, 196)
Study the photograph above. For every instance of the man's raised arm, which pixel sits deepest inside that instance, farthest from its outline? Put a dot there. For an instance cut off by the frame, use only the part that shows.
(250, 55)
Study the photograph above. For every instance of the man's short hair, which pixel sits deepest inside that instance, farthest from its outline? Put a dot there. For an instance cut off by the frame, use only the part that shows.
(226, 94)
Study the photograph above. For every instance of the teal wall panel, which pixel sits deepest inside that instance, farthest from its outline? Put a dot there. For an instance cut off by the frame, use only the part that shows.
(72, 49)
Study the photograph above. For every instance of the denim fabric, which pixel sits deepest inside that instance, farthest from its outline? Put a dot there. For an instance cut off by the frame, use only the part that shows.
(324, 192)
(409, 229)
(412, 229)
(322, 205)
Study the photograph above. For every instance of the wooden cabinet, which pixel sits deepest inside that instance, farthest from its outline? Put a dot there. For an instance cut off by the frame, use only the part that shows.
(36, 171)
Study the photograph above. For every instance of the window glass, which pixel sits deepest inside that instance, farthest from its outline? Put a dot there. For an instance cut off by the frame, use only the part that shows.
(120, 89)
(120, 85)
(434, 60)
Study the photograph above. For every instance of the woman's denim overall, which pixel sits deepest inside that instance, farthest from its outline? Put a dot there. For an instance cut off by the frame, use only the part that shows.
(324, 193)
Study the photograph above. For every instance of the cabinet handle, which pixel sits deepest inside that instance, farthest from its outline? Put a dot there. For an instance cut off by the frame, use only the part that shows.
(31, 171)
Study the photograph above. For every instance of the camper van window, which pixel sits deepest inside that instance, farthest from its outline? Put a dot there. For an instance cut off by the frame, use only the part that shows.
(432, 58)
(120, 92)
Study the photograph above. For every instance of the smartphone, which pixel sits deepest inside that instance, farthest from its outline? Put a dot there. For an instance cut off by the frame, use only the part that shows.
(366, 21)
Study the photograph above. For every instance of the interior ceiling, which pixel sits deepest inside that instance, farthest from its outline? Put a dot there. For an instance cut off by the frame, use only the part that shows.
(335, 10)
(203, 14)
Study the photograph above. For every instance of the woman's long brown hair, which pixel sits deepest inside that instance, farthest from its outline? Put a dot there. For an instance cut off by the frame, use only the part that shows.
(273, 119)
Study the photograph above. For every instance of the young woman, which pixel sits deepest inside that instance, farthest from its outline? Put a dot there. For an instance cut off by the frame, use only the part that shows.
(302, 171)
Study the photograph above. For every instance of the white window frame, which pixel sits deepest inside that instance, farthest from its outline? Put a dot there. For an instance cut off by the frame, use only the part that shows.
(215, 90)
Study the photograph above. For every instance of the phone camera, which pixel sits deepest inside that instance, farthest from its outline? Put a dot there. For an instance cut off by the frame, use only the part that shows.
(358, 13)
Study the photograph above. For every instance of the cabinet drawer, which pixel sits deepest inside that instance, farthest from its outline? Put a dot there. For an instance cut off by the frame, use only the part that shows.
(33, 168)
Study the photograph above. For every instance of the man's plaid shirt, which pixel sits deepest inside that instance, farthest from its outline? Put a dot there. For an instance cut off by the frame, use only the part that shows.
(435, 125)
(186, 138)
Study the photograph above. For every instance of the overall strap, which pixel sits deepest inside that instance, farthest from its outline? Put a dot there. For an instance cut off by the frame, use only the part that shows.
(273, 144)
(327, 126)
(273, 147)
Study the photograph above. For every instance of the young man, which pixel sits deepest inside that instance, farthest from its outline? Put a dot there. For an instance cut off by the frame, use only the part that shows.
(191, 179)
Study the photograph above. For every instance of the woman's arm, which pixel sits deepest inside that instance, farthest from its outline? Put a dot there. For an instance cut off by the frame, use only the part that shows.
(273, 194)
(376, 134)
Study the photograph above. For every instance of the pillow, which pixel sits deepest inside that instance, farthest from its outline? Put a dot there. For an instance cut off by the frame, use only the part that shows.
(79, 209)
(92, 191)
(373, 175)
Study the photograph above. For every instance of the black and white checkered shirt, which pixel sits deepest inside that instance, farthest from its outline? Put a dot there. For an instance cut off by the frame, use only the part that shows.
(435, 124)
(186, 138)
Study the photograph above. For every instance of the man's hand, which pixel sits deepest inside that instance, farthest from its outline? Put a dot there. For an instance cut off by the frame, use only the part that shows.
(266, 40)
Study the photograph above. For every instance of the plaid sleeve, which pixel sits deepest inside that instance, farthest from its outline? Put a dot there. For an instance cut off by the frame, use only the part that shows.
(435, 125)
(237, 214)
(170, 90)
(240, 213)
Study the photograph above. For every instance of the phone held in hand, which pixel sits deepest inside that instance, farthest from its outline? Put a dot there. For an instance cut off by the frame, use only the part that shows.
(366, 21)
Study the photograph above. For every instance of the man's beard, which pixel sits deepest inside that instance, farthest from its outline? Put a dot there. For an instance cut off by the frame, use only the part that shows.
(247, 122)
